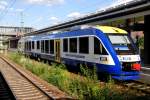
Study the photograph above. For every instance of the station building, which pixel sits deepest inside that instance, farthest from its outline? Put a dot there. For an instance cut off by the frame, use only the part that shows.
(7, 33)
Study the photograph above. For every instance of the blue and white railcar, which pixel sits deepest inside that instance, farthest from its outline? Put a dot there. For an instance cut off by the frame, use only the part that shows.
(110, 49)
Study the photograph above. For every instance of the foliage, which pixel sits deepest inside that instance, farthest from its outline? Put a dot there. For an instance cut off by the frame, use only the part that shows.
(141, 43)
(85, 87)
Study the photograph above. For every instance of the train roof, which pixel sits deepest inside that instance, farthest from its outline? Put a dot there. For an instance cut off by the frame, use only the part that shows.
(109, 29)
(81, 31)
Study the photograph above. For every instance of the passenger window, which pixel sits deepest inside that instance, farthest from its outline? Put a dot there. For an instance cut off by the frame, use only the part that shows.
(65, 45)
(32, 44)
(98, 47)
(25, 46)
(73, 45)
(29, 45)
(51, 46)
(46, 46)
(38, 44)
(84, 45)
(42, 46)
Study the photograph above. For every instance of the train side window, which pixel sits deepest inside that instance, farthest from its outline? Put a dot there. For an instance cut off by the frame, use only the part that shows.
(29, 45)
(51, 46)
(32, 44)
(84, 45)
(25, 46)
(73, 45)
(38, 45)
(98, 47)
(65, 45)
(42, 46)
(46, 46)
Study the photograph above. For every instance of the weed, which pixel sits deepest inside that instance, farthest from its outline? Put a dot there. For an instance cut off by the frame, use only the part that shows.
(84, 88)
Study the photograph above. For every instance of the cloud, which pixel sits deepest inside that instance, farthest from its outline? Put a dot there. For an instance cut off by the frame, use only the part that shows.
(54, 20)
(40, 18)
(46, 2)
(19, 10)
(74, 15)
(118, 2)
(15, 10)
(114, 4)
(3, 5)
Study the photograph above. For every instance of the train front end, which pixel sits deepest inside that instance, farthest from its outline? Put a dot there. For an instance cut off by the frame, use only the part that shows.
(125, 55)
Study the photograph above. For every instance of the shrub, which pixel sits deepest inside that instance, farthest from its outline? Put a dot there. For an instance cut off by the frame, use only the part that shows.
(85, 87)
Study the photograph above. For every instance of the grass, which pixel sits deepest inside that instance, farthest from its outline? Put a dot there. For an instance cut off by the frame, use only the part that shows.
(83, 88)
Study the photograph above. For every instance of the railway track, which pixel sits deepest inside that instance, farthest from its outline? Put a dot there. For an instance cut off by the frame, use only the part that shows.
(137, 85)
(27, 86)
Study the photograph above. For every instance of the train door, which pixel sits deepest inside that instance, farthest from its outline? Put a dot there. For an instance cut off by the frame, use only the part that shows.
(57, 50)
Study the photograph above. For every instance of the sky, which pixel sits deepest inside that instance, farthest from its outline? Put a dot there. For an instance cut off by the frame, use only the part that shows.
(45, 13)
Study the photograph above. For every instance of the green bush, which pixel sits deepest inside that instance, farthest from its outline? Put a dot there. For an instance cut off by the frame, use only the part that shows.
(81, 87)
(141, 43)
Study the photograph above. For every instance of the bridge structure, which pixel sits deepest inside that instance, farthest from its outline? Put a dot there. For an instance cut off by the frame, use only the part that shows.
(132, 16)
(7, 32)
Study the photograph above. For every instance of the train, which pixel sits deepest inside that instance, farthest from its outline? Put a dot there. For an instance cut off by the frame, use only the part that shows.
(110, 49)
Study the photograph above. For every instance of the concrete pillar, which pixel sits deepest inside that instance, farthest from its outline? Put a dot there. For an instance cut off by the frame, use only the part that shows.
(127, 25)
(147, 40)
(9, 44)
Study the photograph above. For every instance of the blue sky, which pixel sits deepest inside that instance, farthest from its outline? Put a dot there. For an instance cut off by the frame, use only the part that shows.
(44, 13)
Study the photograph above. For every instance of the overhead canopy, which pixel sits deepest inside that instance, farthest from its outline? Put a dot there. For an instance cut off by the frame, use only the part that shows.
(124, 11)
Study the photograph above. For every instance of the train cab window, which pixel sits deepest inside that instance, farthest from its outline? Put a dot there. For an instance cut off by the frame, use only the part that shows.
(38, 45)
(32, 44)
(42, 46)
(73, 45)
(84, 45)
(98, 47)
(51, 43)
(65, 45)
(46, 46)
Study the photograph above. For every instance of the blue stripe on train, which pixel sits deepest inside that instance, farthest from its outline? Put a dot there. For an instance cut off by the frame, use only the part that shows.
(111, 69)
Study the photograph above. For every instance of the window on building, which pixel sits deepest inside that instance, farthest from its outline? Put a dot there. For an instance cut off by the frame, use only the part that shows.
(98, 47)
(32, 44)
(46, 46)
(65, 45)
(84, 45)
(42, 46)
(73, 45)
(38, 45)
(51, 46)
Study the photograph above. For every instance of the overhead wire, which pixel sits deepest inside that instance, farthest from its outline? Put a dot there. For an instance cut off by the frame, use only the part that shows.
(5, 11)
